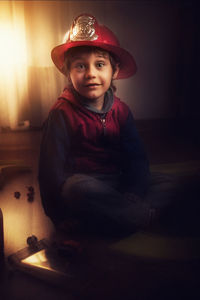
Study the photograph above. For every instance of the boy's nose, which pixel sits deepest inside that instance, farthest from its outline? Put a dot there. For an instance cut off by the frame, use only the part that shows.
(90, 72)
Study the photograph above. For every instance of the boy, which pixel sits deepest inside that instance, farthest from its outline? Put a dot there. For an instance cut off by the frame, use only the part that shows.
(92, 163)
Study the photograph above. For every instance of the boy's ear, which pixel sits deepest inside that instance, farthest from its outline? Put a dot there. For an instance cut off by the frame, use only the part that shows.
(69, 78)
(116, 72)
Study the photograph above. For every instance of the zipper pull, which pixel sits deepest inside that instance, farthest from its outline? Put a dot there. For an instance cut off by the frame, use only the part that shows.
(103, 121)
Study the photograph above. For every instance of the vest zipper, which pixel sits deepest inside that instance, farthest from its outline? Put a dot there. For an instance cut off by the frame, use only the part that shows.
(103, 122)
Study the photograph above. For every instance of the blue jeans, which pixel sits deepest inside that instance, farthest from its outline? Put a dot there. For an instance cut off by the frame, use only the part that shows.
(96, 200)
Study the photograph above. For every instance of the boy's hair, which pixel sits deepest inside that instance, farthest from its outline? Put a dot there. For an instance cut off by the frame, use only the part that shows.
(72, 52)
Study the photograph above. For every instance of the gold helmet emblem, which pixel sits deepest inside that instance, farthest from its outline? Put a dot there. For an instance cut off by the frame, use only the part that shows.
(83, 29)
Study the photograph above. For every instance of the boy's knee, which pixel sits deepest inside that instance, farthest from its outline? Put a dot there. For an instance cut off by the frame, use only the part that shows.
(78, 185)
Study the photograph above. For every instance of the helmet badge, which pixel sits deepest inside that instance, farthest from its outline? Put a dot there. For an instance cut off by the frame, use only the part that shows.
(83, 29)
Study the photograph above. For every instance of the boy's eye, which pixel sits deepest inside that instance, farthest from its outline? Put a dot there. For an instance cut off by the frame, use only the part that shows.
(79, 66)
(100, 64)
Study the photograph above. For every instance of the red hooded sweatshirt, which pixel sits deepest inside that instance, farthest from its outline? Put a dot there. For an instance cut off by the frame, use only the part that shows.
(81, 140)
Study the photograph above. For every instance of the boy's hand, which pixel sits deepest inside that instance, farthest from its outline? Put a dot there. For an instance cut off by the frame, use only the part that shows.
(132, 197)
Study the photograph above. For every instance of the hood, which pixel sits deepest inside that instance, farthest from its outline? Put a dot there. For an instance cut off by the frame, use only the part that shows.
(73, 97)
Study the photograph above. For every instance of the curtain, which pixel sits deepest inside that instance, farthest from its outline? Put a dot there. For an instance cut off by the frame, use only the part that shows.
(29, 82)
(13, 62)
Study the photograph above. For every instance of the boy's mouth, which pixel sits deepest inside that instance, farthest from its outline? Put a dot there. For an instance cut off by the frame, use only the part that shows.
(92, 85)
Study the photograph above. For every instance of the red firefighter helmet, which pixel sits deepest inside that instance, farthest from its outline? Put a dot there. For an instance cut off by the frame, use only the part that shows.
(85, 31)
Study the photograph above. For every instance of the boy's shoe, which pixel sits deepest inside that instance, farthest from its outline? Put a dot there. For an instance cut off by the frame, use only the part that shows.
(68, 248)
(66, 240)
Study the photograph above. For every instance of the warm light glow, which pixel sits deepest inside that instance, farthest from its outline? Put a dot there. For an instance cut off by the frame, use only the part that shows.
(13, 62)
(37, 258)
(28, 78)
(13, 48)
(40, 261)
(66, 37)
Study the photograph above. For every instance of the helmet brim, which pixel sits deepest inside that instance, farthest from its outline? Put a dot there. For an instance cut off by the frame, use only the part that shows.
(127, 63)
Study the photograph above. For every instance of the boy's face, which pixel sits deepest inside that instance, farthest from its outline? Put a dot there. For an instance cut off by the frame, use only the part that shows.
(91, 74)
